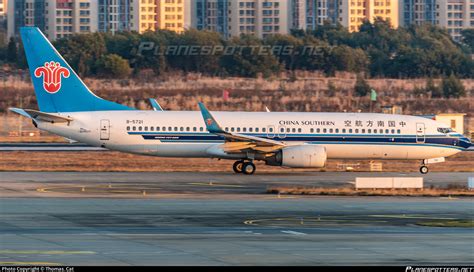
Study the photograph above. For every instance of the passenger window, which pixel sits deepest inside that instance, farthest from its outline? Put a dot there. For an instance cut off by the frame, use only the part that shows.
(311, 130)
(369, 130)
(181, 129)
(188, 129)
(232, 129)
(201, 129)
(244, 129)
(330, 130)
(325, 130)
(238, 129)
(387, 131)
(288, 130)
(175, 128)
(399, 132)
(265, 130)
(134, 128)
(337, 130)
(140, 128)
(282, 130)
(194, 128)
(270, 129)
(250, 129)
(256, 129)
(163, 128)
(157, 128)
(393, 131)
(227, 129)
(363, 130)
(152, 128)
(356, 130)
(146, 128)
(128, 128)
(299, 130)
(170, 129)
(350, 130)
(294, 130)
(318, 130)
(343, 130)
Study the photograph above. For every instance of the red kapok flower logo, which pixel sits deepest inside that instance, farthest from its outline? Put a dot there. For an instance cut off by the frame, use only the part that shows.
(52, 73)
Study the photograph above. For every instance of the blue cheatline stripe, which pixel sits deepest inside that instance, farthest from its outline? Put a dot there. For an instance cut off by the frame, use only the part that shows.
(338, 139)
(265, 135)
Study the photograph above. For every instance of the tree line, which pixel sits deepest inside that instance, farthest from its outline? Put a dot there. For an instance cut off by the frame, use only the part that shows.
(377, 50)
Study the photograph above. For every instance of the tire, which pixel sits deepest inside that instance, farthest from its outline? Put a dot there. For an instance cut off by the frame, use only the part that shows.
(424, 170)
(248, 168)
(238, 165)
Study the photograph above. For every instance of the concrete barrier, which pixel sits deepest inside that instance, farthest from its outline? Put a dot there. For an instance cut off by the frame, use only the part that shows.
(389, 183)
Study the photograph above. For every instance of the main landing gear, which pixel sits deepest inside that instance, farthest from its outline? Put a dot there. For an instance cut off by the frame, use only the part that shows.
(424, 169)
(244, 167)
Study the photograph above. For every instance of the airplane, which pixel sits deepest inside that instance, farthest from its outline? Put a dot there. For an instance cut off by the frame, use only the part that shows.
(287, 139)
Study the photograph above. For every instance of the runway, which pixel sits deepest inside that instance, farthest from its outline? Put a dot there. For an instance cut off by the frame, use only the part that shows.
(222, 219)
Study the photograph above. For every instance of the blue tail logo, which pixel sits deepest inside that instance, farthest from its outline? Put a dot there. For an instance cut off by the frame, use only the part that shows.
(58, 88)
(52, 74)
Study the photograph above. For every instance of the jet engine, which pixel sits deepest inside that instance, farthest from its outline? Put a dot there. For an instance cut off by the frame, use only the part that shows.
(300, 156)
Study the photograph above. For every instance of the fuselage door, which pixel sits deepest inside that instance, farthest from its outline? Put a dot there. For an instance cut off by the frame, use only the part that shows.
(105, 129)
(420, 133)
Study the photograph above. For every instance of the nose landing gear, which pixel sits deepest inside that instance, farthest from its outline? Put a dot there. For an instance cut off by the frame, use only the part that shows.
(243, 167)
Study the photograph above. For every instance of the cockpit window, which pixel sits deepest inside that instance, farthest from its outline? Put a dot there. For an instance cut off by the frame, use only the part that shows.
(445, 130)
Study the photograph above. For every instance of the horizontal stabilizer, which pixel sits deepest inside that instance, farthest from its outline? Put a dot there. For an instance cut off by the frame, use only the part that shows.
(42, 116)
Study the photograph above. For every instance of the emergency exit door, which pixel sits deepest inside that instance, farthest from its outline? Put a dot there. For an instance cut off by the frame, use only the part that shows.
(105, 129)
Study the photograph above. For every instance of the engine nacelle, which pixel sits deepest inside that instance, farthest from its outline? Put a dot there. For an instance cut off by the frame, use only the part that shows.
(300, 156)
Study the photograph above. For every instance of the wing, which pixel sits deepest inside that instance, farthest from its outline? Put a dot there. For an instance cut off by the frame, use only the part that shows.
(238, 143)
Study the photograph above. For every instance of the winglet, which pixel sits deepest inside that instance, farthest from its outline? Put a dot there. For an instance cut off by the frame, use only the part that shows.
(156, 106)
(211, 123)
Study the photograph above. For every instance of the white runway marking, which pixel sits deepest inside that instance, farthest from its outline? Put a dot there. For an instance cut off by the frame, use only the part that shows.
(293, 232)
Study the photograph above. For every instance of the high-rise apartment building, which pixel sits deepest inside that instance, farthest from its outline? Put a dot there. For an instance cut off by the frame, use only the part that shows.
(259, 17)
(417, 12)
(114, 15)
(455, 16)
(56, 18)
(352, 13)
(211, 15)
(157, 14)
(170, 15)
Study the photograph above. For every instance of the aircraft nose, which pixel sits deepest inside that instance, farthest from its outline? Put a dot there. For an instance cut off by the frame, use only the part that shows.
(466, 142)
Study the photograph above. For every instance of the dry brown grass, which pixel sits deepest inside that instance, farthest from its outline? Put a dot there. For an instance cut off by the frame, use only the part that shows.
(432, 192)
(115, 161)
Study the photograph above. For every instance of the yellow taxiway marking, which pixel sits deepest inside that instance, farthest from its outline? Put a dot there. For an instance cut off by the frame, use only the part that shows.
(215, 184)
(29, 263)
(50, 252)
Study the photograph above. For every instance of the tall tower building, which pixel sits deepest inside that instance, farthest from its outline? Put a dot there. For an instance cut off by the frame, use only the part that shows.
(417, 12)
(353, 13)
(56, 18)
(298, 14)
(157, 14)
(211, 15)
(170, 14)
(455, 15)
(259, 17)
(114, 15)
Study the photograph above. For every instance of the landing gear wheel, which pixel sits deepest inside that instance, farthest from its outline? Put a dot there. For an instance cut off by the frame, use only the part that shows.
(248, 168)
(424, 169)
(238, 165)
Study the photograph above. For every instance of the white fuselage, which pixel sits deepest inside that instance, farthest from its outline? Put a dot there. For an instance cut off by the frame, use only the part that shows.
(183, 133)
